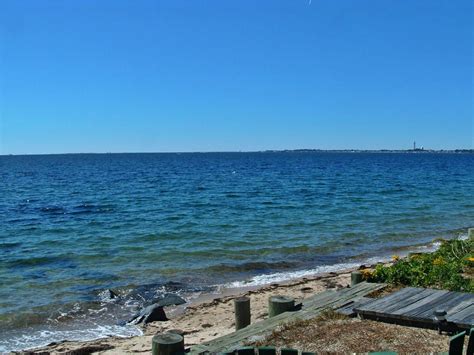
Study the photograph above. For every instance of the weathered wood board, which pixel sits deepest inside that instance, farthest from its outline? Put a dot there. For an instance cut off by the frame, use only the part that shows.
(414, 304)
(312, 306)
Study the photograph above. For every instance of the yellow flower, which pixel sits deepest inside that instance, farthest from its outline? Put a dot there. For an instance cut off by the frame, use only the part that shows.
(438, 261)
(395, 257)
(471, 259)
(415, 256)
(366, 273)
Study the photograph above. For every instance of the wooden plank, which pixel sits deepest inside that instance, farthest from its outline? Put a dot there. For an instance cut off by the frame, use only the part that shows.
(404, 303)
(347, 294)
(417, 304)
(430, 296)
(431, 304)
(426, 311)
(464, 303)
(318, 298)
(380, 302)
(423, 310)
(348, 310)
(376, 307)
(359, 289)
(318, 303)
(458, 301)
(379, 306)
(460, 306)
(457, 304)
(414, 295)
(408, 312)
(465, 314)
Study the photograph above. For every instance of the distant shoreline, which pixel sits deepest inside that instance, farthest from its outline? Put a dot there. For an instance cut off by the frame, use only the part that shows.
(352, 151)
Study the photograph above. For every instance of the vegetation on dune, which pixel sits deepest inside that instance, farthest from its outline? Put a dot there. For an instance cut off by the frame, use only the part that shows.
(451, 267)
(332, 333)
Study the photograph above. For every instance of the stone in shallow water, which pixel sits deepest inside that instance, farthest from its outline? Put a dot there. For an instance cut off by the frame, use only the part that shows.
(107, 294)
(155, 312)
(149, 314)
(170, 300)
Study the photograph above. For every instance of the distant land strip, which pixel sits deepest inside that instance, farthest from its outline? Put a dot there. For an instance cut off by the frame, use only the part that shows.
(405, 151)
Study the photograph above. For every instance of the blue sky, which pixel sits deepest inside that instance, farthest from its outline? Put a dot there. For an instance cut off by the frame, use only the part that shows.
(133, 76)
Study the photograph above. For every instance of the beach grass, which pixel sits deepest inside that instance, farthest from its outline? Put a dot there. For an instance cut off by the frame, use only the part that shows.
(338, 335)
(451, 267)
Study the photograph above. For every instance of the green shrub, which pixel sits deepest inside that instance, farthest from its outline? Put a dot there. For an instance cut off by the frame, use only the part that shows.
(450, 268)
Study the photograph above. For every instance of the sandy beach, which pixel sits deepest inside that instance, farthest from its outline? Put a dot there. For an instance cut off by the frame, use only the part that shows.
(160, 159)
(207, 317)
(211, 315)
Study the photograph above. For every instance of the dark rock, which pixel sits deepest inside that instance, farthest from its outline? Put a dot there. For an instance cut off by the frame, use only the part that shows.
(170, 300)
(153, 307)
(107, 295)
(174, 286)
(149, 314)
(89, 349)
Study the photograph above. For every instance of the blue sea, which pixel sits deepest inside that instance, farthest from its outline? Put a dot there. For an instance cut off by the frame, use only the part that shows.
(144, 225)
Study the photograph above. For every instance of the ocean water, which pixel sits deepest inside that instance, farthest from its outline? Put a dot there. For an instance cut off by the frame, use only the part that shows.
(144, 225)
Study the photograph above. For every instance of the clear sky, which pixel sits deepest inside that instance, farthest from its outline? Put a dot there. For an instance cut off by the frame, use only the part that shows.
(196, 75)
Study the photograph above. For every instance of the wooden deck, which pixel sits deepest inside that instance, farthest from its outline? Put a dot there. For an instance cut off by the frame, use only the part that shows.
(416, 305)
(312, 306)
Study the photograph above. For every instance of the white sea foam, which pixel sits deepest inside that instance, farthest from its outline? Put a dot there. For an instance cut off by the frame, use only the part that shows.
(40, 338)
(433, 246)
(266, 279)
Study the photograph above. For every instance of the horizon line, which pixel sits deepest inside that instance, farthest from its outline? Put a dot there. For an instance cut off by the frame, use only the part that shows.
(352, 150)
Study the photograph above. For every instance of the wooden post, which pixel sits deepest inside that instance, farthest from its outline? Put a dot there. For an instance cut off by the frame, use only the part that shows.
(246, 350)
(280, 304)
(456, 343)
(356, 278)
(167, 344)
(266, 350)
(242, 312)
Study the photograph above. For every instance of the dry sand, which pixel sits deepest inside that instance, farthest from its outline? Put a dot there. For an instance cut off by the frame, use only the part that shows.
(208, 317)
(211, 316)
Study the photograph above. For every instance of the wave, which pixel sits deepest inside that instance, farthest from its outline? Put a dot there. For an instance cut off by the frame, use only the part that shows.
(266, 279)
(252, 266)
(10, 245)
(39, 338)
(40, 260)
(83, 321)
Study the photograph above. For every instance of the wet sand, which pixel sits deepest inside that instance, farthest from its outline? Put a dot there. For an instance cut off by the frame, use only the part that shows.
(207, 317)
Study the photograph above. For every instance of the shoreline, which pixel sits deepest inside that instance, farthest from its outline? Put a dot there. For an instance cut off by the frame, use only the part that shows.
(196, 318)
(209, 315)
